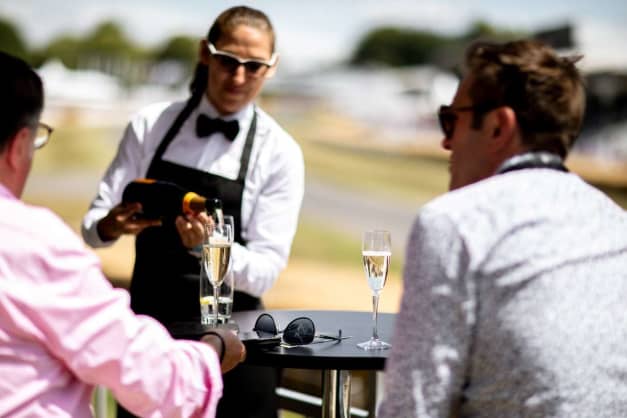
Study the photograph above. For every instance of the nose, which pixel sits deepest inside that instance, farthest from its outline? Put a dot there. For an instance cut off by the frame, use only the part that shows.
(239, 75)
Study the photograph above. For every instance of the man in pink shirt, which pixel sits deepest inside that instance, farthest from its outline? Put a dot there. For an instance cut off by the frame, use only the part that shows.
(63, 328)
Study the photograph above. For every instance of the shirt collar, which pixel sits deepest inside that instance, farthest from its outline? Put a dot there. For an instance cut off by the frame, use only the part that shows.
(5, 192)
(538, 159)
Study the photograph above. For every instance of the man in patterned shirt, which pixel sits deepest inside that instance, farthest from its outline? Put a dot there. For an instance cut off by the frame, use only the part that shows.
(516, 280)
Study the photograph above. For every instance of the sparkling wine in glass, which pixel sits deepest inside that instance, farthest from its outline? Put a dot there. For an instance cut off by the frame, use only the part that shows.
(227, 288)
(376, 252)
(216, 257)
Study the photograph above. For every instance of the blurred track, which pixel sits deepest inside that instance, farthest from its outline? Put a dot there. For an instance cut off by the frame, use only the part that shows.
(353, 212)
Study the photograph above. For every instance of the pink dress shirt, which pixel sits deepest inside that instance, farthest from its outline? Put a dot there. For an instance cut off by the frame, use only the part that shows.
(64, 329)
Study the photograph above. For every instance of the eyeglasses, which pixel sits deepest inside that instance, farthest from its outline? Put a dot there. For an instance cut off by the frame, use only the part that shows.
(42, 135)
(447, 117)
(254, 68)
(298, 332)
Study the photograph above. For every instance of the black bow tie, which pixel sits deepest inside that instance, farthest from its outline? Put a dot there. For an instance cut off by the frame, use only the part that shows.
(206, 126)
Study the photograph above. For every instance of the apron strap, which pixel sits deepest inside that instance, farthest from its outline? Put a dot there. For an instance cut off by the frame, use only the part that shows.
(248, 146)
(174, 129)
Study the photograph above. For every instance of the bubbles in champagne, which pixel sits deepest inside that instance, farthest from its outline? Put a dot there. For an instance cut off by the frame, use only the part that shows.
(216, 261)
(376, 265)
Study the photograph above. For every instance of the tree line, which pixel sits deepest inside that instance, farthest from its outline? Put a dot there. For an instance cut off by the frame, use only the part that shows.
(394, 46)
(108, 48)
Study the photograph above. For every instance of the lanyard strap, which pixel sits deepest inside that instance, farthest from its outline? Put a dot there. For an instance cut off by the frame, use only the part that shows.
(533, 160)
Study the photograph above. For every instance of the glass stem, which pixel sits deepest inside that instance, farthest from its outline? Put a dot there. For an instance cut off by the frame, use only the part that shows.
(375, 310)
(216, 296)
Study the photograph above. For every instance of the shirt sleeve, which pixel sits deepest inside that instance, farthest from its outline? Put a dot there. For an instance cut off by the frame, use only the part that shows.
(128, 164)
(426, 369)
(273, 222)
(63, 301)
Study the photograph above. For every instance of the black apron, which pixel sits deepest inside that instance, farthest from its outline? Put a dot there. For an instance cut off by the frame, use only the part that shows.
(165, 283)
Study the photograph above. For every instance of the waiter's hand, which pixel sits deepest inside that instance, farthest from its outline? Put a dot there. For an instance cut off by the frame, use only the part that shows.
(122, 219)
(191, 228)
(228, 346)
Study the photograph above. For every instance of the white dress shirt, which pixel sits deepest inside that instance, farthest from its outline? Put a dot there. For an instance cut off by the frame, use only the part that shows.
(273, 191)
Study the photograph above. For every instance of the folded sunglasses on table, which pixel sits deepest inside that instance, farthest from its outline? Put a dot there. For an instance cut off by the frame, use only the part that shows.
(299, 331)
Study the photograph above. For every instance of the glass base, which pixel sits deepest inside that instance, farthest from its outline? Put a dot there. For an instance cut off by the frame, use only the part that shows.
(223, 322)
(209, 320)
(374, 344)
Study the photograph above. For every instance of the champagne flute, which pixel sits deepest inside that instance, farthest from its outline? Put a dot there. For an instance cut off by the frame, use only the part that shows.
(216, 256)
(225, 301)
(376, 252)
(206, 293)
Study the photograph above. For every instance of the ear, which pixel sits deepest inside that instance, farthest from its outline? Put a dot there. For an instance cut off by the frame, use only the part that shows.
(203, 52)
(272, 70)
(19, 147)
(504, 127)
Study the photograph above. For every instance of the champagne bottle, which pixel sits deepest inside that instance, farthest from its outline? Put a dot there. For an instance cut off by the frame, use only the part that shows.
(163, 199)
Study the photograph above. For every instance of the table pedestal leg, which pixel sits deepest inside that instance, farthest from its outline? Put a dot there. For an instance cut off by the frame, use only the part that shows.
(336, 394)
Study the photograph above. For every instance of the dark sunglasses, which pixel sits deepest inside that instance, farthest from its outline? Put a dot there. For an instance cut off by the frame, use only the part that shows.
(298, 332)
(447, 117)
(254, 68)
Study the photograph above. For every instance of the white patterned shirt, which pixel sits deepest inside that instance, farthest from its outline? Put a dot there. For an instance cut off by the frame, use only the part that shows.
(514, 304)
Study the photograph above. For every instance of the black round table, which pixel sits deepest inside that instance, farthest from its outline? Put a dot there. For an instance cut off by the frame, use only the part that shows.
(338, 355)
(335, 358)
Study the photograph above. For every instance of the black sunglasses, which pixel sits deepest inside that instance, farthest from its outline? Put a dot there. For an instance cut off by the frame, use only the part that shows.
(448, 118)
(230, 62)
(298, 332)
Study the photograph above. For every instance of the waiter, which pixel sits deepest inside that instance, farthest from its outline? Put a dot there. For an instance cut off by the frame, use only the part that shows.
(217, 143)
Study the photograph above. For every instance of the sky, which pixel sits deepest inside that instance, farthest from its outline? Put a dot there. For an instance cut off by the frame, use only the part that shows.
(313, 32)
